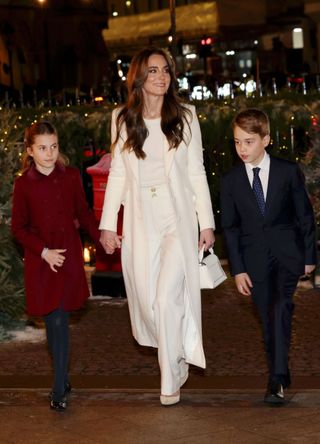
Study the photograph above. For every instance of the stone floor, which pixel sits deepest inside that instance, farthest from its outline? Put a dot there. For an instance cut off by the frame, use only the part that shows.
(116, 382)
(106, 417)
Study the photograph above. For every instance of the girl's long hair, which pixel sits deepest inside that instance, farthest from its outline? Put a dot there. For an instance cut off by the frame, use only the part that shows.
(37, 129)
(173, 114)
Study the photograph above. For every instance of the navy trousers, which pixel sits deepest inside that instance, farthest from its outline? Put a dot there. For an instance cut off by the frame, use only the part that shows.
(273, 298)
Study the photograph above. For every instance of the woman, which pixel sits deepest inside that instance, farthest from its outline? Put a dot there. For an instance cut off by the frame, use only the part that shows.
(157, 173)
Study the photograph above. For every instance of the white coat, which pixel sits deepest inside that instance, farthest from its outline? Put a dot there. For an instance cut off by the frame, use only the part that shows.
(192, 203)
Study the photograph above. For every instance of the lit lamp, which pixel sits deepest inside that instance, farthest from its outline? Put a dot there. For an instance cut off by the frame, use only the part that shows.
(86, 256)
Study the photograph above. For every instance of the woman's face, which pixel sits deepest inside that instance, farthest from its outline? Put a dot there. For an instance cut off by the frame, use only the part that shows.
(158, 80)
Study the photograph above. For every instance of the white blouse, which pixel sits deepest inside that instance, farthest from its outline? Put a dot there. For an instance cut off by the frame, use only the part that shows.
(152, 170)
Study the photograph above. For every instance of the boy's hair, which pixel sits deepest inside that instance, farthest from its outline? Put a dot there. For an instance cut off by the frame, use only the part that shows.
(252, 120)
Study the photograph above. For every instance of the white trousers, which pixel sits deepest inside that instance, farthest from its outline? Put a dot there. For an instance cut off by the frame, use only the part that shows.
(166, 285)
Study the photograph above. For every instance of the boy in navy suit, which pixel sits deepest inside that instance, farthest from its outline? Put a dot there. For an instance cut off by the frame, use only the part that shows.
(269, 229)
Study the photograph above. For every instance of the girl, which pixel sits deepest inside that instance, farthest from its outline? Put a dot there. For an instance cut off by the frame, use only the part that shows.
(157, 173)
(48, 208)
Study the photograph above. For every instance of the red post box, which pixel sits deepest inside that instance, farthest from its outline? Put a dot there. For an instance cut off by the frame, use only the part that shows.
(108, 267)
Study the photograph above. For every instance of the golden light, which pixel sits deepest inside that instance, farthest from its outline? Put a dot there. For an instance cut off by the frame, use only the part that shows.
(86, 255)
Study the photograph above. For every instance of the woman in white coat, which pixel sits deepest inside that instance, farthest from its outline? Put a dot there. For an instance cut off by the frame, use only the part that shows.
(157, 174)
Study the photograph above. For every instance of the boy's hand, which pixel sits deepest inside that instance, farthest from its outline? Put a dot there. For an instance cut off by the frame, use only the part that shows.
(110, 241)
(243, 283)
(54, 258)
(309, 269)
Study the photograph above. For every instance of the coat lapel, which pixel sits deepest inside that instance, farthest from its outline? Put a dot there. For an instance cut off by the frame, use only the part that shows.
(168, 156)
(133, 162)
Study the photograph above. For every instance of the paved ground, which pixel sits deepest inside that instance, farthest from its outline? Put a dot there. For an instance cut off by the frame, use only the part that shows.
(102, 343)
(116, 396)
(130, 418)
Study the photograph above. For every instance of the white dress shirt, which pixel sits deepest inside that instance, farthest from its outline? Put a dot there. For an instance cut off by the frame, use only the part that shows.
(264, 166)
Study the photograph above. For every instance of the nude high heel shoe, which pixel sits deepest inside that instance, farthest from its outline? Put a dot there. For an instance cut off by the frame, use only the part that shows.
(170, 399)
(183, 380)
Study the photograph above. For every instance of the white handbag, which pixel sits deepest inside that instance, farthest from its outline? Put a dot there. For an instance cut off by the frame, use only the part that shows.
(211, 271)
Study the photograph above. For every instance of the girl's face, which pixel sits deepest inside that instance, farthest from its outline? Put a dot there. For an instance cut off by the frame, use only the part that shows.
(158, 80)
(45, 152)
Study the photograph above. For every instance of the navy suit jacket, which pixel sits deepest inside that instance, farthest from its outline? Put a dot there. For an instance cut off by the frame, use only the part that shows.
(287, 229)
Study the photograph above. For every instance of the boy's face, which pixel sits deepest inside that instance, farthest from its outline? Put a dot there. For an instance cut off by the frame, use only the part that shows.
(250, 146)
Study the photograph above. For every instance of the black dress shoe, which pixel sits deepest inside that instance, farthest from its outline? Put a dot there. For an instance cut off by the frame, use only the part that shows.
(58, 406)
(283, 378)
(274, 394)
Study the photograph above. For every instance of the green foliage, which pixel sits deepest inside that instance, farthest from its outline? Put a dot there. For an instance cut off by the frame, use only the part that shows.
(295, 134)
(11, 266)
(311, 167)
(8, 323)
(11, 275)
(78, 127)
(290, 121)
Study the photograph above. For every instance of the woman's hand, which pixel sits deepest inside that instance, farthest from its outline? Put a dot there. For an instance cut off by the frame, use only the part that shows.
(110, 241)
(206, 238)
(54, 258)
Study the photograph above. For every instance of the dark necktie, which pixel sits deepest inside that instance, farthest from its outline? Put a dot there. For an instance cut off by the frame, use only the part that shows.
(258, 191)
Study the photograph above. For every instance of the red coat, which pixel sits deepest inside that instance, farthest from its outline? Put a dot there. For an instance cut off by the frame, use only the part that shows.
(47, 212)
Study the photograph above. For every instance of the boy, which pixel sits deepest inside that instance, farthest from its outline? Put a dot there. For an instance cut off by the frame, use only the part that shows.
(269, 229)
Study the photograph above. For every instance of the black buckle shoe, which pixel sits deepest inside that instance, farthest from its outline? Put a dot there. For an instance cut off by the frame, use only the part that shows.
(274, 394)
(58, 406)
(67, 391)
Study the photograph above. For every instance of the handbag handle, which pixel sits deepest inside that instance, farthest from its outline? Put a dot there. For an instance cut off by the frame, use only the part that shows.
(201, 253)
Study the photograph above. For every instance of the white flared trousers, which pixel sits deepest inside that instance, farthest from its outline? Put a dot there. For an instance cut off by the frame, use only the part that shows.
(166, 285)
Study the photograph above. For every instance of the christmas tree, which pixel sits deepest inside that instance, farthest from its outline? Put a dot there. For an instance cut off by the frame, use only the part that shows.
(311, 166)
(11, 264)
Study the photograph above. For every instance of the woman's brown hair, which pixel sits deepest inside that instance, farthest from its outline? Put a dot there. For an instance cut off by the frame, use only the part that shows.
(37, 129)
(173, 114)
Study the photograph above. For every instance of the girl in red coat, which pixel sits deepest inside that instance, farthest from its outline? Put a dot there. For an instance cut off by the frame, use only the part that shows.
(49, 206)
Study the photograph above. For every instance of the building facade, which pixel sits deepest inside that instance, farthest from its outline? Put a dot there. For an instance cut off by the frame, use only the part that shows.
(86, 45)
(51, 45)
(221, 40)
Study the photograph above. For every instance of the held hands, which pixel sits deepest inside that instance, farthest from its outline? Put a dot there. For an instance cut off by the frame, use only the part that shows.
(110, 241)
(243, 283)
(54, 258)
(206, 238)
